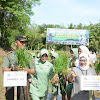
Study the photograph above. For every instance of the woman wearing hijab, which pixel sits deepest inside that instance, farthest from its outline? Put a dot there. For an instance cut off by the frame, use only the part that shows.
(84, 49)
(74, 56)
(72, 63)
(54, 56)
(76, 73)
(44, 71)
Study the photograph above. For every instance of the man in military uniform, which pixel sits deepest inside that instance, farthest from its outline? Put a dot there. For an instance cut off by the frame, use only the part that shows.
(10, 64)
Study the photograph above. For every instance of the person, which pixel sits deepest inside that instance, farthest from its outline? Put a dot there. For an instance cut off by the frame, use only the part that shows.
(75, 75)
(62, 80)
(52, 51)
(74, 56)
(54, 56)
(50, 36)
(93, 56)
(34, 58)
(84, 49)
(82, 40)
(72, 63)
(33, 55)
(87, 39)
(44, 71)
(38, 54)
(11, 59)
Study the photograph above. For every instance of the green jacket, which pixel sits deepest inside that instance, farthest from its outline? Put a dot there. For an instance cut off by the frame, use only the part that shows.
(43, 72)
(75, 51)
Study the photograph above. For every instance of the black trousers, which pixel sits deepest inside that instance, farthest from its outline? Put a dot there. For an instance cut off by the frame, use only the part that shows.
(22, 93)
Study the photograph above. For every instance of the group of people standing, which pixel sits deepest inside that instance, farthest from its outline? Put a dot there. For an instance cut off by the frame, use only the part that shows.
(41, 71)
(81, 63)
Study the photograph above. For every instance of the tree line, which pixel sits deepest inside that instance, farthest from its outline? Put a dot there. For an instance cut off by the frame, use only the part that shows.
(15, 20)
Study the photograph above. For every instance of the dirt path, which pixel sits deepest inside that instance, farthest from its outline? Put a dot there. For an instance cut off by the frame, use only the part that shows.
(2, 89)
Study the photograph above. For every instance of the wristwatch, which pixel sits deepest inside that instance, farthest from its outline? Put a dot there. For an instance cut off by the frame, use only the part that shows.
(11, 69)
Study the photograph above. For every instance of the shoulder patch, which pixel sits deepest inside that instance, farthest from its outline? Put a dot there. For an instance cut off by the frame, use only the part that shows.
(9, 52)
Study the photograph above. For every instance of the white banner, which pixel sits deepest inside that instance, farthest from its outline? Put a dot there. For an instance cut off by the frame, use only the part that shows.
(15, 78)
(90, 82)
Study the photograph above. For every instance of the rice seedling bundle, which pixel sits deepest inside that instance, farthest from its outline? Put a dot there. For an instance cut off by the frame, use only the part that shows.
(97, 66)
(23, 58)
(61, 64)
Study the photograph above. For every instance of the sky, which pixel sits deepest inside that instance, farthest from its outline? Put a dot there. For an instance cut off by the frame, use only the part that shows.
(65, 12)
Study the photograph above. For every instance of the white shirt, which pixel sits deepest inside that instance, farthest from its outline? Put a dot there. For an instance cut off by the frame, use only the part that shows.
(94, 57)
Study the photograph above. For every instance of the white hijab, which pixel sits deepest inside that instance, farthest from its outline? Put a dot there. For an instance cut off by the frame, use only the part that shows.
(87, 65)
(85, 50)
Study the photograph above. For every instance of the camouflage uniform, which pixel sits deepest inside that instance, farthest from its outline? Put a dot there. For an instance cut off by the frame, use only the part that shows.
(9, 62)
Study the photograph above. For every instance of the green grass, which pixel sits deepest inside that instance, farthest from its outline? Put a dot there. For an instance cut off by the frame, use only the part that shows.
(1, 61)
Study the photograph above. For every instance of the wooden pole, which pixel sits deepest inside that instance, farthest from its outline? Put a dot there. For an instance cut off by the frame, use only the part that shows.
(15, 93)
(49, 46)
(46, 45)
(71, 46)
(15, 88)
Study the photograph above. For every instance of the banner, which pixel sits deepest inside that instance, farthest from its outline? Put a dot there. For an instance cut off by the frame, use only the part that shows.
(90, 82)
(67, 36)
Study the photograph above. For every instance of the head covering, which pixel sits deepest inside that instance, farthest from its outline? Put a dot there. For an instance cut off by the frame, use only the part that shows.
(55, 55)
(75, 51)
(44, 51)
(85, 50)
(21, 38)
(87, 65)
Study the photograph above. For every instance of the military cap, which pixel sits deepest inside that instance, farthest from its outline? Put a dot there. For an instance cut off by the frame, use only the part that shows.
(21, 38)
